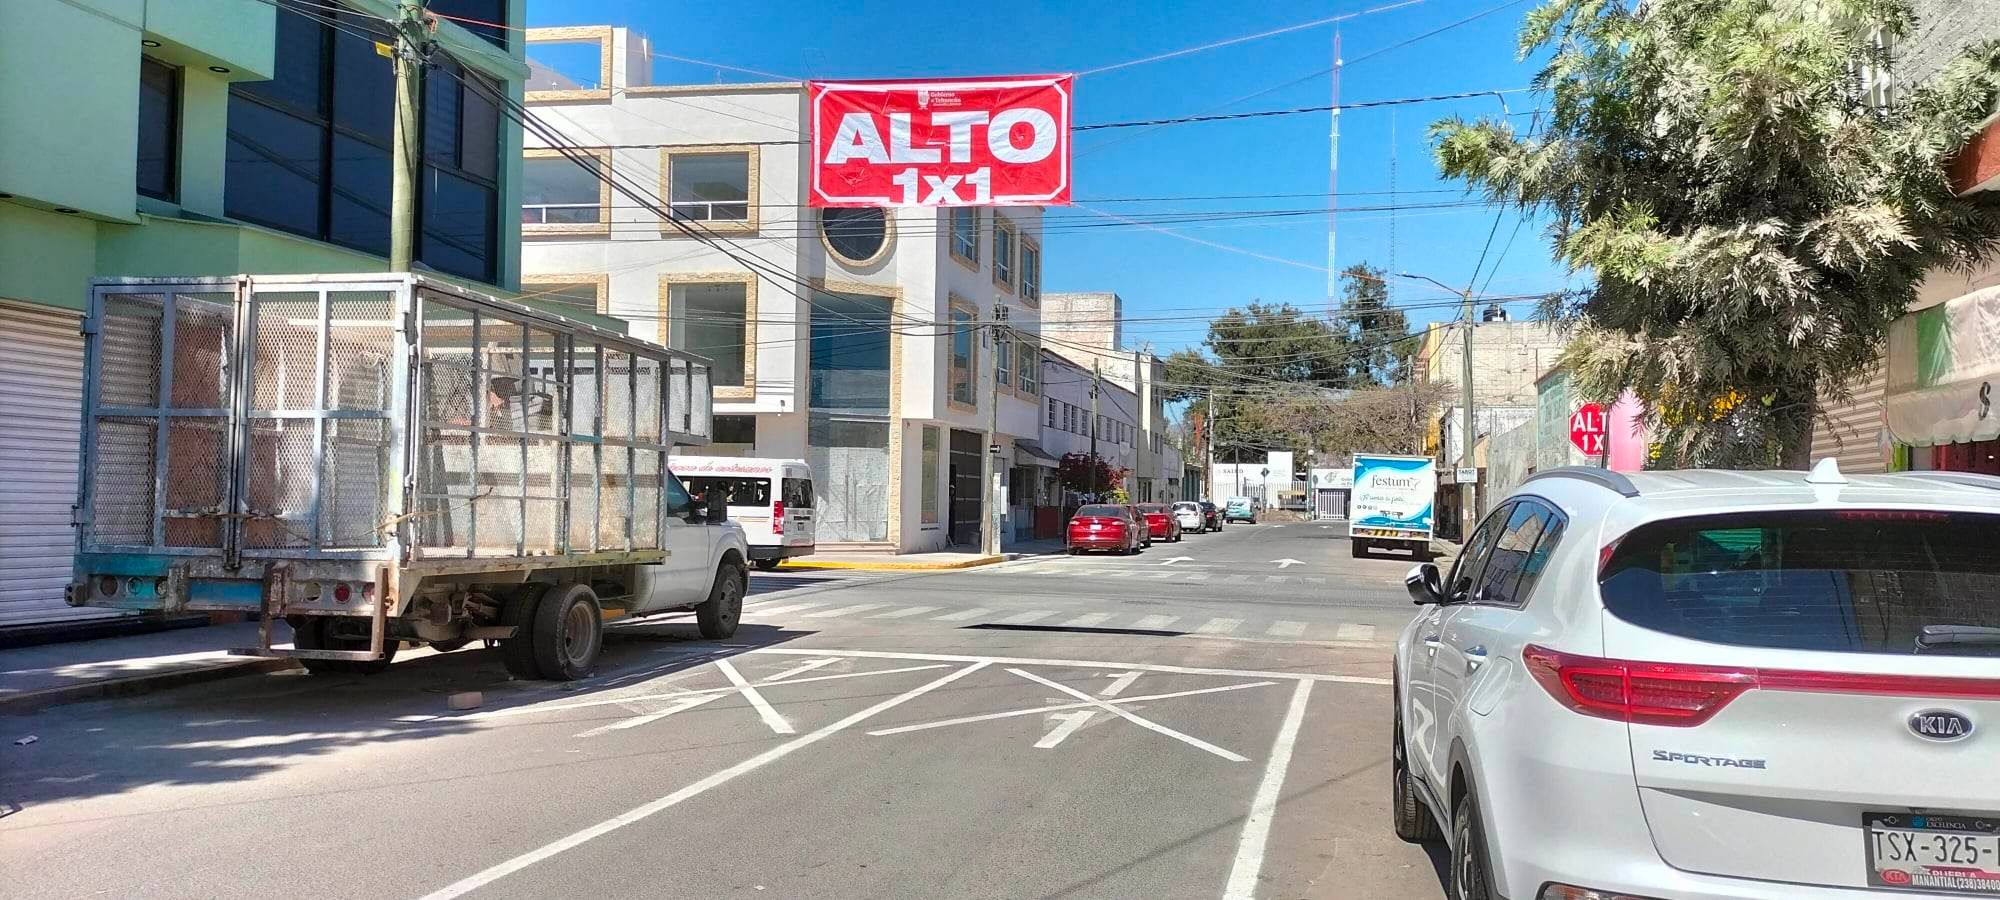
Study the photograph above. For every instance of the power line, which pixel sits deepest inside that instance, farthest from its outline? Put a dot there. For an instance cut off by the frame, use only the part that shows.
(1329, 20)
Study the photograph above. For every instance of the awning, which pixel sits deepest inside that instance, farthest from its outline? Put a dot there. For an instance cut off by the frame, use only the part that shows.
(1029, 453)
(1942, 365)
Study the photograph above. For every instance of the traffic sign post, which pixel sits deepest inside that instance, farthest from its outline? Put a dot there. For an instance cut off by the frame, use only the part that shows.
(1587, 430)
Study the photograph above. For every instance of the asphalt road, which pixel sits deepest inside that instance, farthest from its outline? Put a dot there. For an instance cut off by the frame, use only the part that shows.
(1052, 727)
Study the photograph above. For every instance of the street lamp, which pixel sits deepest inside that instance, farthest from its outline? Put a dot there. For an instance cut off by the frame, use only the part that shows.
(1467, 500)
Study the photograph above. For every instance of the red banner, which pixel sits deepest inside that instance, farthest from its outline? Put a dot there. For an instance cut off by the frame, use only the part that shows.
(962, 142)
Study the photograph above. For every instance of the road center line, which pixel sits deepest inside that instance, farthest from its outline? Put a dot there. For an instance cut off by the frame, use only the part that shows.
(494, 873)
(756, 698)
(1249, 862)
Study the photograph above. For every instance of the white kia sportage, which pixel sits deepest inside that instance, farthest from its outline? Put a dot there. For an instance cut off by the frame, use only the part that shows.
(1708, 684)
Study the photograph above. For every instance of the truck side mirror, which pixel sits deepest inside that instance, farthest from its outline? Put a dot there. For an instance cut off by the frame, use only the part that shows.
(1425, 585)
(717, 514)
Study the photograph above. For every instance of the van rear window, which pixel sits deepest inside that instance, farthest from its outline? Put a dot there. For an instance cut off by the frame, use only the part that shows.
(1874, 581)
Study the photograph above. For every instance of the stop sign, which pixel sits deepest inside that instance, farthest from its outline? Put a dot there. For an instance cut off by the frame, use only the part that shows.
(1586, 429)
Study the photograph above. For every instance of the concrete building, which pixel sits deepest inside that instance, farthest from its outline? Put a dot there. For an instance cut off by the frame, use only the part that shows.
(210, 138)
(855, 339)
(1086, 328)
(1068, 425)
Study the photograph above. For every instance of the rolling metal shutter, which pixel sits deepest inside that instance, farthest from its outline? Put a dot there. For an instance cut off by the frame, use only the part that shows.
(41, 398)
(1851, 431)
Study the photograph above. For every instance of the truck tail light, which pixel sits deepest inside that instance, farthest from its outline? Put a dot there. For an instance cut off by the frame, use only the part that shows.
(341, 592)
(778, 517)
(107, 585)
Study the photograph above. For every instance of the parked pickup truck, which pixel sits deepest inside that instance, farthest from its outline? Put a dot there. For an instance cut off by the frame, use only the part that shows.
(382, 459)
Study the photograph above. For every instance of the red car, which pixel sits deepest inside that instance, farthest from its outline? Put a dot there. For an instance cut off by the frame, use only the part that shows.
(1102, 526)
(1160, 522)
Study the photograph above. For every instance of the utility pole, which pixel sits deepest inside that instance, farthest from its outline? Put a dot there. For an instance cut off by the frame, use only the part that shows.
(996, 495)
(1333, 184)
(1209, 445)
(1468, 494)
(412, 38)
(1096, 381)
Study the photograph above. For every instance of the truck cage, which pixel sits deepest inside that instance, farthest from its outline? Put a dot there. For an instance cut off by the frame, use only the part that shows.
(360, 427)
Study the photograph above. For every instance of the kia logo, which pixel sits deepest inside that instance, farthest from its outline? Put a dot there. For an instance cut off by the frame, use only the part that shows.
(1941, 725)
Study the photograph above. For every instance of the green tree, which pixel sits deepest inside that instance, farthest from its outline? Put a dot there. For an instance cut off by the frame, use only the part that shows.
(1377, 332)
(1753, 224)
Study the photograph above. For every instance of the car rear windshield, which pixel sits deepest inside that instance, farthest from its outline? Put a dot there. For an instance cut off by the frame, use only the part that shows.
(1186, 506)
(1153, 508)
(1875, 581)
(1110, 512)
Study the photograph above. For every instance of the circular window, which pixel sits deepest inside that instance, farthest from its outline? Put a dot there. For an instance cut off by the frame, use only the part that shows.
(858, 236)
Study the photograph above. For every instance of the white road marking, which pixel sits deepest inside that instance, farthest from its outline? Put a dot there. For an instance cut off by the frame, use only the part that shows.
(1288, 562)
(673, 695)
(1069, 722)
(1155, 623)
(1156, 575)
(1057, 707)
(909, 611)
(1314, 579)
(1133, 718)
(1353, 632)
(496, 872)
(1218, 626)
(1034, 615)
(1275, 579)
(1287, 629)
(1169, 562)
(1117, 573)
(802, 668)
(962, 615)
(1086, 620)
(842, 610)
(1242, 884)
(784, 608)
(1071, 663)
(1195, 576)
(756, 698)
(1235, 579)
(681, 705)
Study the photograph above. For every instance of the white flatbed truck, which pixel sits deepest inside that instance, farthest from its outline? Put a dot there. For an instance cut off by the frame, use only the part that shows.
(1392, 506)
(390, 459)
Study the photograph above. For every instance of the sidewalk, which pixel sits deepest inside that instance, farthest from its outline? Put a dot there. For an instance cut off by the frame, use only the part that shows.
(921, 562)
(48, 674)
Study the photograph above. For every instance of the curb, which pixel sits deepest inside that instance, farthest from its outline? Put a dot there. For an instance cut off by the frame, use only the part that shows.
(890, 566)
(134, 685)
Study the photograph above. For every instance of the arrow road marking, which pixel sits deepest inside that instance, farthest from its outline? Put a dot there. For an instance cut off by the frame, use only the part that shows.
(1288, 562)
(1067, 723)
(1169, 562)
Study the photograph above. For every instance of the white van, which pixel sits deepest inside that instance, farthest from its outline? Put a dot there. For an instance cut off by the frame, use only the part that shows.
(771, 498)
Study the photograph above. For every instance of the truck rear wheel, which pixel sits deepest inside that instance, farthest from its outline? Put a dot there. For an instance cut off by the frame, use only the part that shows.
(1360, 548)
(767, 565)
(568, 632)
(718, 615)
(518, 652)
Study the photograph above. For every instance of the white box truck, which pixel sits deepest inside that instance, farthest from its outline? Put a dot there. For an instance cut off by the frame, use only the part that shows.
(380, 459)
(1392, 504)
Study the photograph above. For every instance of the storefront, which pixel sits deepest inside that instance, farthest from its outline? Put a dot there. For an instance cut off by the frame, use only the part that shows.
(1939, 400)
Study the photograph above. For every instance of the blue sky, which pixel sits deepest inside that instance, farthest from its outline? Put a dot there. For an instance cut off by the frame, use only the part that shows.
(1159, 275)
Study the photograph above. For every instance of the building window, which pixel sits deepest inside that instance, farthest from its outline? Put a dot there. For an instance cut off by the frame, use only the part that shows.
(159, 129)
(1031, 272)
(308, 150)
(965, 235)
(568, 63)
(713, 185)
(932, 466)
(963, 350)
(588, 294)
(733, 436)
(714, 316)
(565, 195)
(1028, 365)
(1003, 252)
(1003, 359)
(1052, 412)
(486, 18)
(856, 236)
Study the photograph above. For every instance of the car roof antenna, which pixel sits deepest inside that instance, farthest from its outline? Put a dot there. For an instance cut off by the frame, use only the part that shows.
(1826, 471)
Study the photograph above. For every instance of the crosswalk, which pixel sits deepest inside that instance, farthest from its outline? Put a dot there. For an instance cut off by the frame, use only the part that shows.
(781, 610)
(1135, 573)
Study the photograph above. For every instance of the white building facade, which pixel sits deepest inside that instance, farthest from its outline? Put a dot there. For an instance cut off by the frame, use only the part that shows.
(862, 341)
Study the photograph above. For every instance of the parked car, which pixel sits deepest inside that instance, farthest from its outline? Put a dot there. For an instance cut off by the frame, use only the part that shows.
(1239, 509)
(1160, 522)
(771, 498)
(1188, 514)
(1211, 516)
(1145, 530)
(1104, 526)
(1709, 684)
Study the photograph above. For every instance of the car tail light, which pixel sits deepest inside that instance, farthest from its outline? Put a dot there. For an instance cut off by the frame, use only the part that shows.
(778, 517)
(1640, 692)
(1653, 693)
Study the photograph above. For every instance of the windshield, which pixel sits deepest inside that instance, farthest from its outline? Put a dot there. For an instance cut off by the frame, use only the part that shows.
(1855, 580)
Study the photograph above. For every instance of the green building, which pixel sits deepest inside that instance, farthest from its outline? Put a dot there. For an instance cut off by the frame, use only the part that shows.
(214, 137)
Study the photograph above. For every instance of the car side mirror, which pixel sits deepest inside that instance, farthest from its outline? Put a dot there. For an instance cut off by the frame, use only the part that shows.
(1425, 585)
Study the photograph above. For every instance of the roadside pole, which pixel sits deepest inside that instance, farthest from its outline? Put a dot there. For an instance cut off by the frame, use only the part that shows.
(411, 35)
(1208, 441)
(989, 542)
(1468, 514)
(1096, 379)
